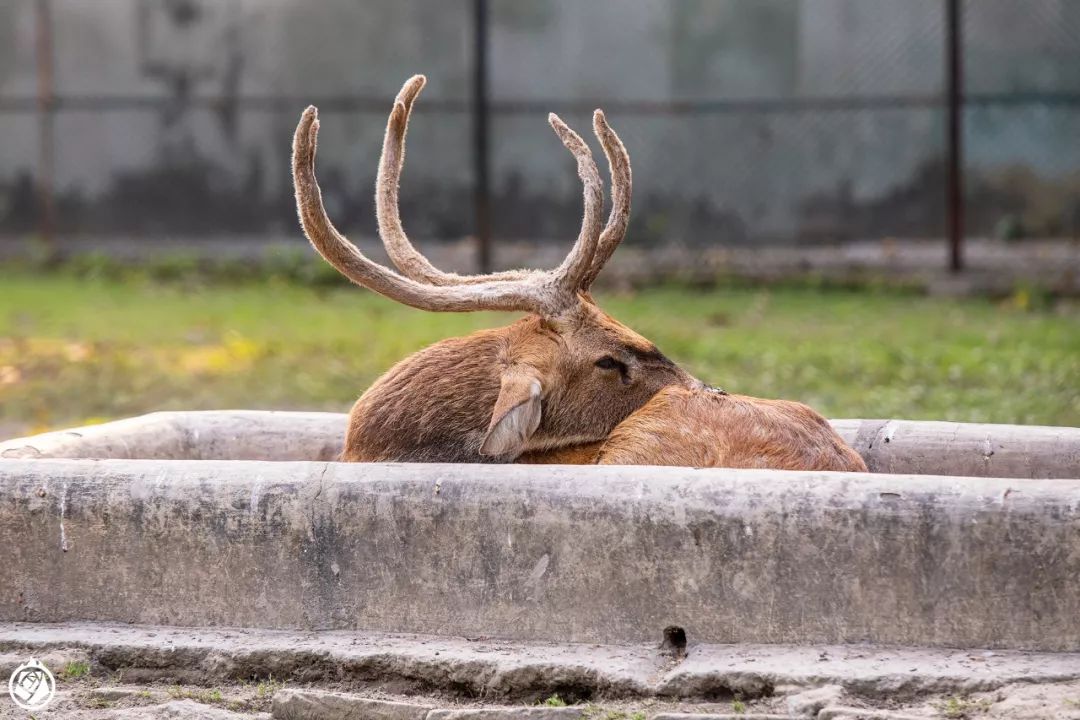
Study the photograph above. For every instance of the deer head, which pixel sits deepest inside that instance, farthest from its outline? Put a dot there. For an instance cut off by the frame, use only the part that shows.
(564, 375)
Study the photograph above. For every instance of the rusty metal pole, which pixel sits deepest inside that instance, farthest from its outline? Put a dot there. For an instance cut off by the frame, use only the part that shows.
(43, 46)
(481, 114)
(954, 74)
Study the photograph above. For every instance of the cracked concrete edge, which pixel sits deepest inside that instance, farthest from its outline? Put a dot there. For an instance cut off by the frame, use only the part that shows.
(195, 435)
(458, 550)
(528, 672)
(893, 446)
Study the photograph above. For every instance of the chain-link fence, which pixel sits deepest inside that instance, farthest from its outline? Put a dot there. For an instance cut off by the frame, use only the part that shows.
(749, 122)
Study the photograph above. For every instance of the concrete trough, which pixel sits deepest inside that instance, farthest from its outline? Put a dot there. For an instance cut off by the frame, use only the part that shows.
(888, 446)
(545, 553)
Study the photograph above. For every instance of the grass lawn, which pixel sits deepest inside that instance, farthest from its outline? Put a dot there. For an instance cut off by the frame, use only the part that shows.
(74, 350)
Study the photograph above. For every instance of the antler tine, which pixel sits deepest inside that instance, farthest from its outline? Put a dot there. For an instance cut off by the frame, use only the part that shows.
(621, 191)
(354, 265)
(415, 266)
(399, 248)
(570, 274)
(552, 292)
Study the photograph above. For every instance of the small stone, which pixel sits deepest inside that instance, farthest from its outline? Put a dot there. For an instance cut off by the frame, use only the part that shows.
(809, 702)
(721, 716)
(186, 710)
(111, 694)
(509, 713)
(315, 705)
(852, 713)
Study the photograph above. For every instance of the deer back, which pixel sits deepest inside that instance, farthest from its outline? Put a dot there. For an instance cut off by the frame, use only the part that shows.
(701, 427)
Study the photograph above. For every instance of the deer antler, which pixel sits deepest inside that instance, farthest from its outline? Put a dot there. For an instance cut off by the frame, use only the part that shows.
(414, 265)
(398, 246)
(621, 191)
(546, 293)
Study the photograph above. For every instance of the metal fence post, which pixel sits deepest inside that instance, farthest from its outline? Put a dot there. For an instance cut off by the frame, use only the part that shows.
(43, 50)
(481, 114)
(954, 78)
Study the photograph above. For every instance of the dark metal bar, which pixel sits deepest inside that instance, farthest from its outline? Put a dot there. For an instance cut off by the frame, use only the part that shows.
(481, 115)
(43, 49)
(954, 73)
(541, 107)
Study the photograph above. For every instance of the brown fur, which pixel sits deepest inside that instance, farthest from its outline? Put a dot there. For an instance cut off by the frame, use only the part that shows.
(574, 455)
(701, 427)
(437, 404)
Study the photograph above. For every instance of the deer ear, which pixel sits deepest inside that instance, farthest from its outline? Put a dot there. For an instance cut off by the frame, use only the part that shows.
(516, 415)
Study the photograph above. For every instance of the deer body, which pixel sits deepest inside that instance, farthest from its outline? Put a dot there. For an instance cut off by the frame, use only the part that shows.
(433, 406)
(553, 385)
(492, 395)
(703, 427)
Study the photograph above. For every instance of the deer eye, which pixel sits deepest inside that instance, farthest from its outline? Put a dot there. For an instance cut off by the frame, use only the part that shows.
(609, 363)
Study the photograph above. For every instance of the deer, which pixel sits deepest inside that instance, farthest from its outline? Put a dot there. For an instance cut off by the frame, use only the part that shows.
(565, 374)
(684, 423)
(566, 384)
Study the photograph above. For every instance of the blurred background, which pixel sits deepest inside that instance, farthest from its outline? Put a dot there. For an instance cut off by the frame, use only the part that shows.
(869, 205)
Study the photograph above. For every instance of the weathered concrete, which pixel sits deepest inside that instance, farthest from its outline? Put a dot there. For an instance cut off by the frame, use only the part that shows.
(230, 674)
(967, 449)
(307, 705)
(509, 713)
(557, 553)
(888, 446)
(809, 702)
(720, 716)
(509, 671)
(196, 435)
(185, 710)
(860, 713)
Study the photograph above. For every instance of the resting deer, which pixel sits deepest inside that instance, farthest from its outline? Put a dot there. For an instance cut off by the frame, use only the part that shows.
(685, 423)
(566, 374)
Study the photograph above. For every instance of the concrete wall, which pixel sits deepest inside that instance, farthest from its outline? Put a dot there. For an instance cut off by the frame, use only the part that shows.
(892, 446)
(716, 177)
(573, 554)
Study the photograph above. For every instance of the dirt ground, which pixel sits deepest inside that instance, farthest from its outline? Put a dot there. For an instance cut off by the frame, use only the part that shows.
(86, 690)
(92, 700)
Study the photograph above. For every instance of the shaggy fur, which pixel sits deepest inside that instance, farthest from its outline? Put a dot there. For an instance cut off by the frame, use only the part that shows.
(704, 428)
(439, 404)
(701, 427)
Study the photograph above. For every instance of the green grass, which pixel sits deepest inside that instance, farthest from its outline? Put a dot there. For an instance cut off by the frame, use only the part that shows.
(75, 670)
(266, 688)
(82, 350)
(212, 696)
(960, 708)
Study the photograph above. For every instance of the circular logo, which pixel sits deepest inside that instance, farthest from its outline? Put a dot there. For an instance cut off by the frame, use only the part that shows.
(31, 686)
